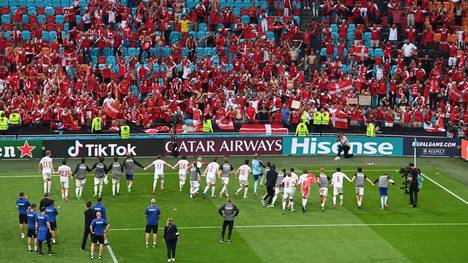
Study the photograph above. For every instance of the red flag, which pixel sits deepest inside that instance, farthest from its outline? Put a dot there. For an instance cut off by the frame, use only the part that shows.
(340, 87)
(112, 110)
(225, 124)
(263, 129)
(340, 120)
(455, 94)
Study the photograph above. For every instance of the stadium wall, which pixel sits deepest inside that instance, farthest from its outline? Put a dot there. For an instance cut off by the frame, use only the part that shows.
(223, 144)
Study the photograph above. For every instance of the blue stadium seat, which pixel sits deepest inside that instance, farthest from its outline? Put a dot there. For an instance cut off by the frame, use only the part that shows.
(351, 28)
(59, 19)
(8, 35)
(49, 3)
(334, 28)
(32, 11)
(202, 27)
(52, 36)
(66, 3)
(297, 19)
(6, 19)
(45, 35)
(65, 35)
(39, 3)
(245, 20)
(94, 51)
(166, 51)
(270, 35)
(78, 19)
(49, 11)
(56, 3)
(207, 52)
(111, 60)
(21, 2)
(41, 19)
(199, 52)
(26, 35)
(371, 52)
(25, 19)
(66, 27)
(108, 51)
(323, 52)
(378, 52)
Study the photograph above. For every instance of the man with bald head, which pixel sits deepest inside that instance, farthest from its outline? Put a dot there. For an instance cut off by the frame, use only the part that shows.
(152, 214)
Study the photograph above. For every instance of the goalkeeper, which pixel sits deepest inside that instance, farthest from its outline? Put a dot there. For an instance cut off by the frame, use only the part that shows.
(100, 176)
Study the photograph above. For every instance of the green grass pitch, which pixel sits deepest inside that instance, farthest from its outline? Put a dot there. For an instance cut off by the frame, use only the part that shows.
(436, 231)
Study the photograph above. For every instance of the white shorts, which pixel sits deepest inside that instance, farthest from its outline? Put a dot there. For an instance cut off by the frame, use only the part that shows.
(46, 176)
(211, 179)
(278, 190)
(323, 191)
(194, 184)
(225, 180)
(337, 190)
(360, 191)
(114, 181)
(182, 176)
(288, 194)
(63, 183)
(243, 182)
(79, 182)
(98, 181)
(158, 176)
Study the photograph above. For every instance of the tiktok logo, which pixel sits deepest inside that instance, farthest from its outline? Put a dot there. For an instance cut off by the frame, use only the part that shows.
(74, 151)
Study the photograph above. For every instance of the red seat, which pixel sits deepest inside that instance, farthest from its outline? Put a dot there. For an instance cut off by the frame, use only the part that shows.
(50, 19)
(101, 60)
(8, 27)
(5, 10)
(40, 10)
(51, 27)
(58, 11)
(33, 19)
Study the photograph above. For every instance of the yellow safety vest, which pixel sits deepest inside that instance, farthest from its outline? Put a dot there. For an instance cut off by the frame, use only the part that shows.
(325, 118)
(3, 124)
(301, 129)
(317, 118)
(370, 132)
(304, 118)
(96, 125)
(124, 132)
(15, 119)
(207, 126)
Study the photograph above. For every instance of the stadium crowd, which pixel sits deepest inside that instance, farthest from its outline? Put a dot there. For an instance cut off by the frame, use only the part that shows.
(394, 62)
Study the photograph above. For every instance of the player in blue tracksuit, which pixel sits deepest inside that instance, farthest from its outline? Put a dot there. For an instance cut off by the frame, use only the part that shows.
(32, 217)
(52, 213)
(22, 204)
(98, 229)
(99, 207)
(43, 231)
(152, 214)
(257, 171)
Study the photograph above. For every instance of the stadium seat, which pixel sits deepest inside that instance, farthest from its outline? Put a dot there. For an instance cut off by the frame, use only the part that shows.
(56, 3)
(49, 11)
(245, 20)
(270, 35)
(323, 52)
(166, 51)
(32, 11)
(52, 36)
(378, 52)
(49, 3)
(7, 35)
(25, 19)
(26, 35)
(6, 19)
(39, 3)
(59, 19)
(45, 36)
(41, 19)
(202, 27)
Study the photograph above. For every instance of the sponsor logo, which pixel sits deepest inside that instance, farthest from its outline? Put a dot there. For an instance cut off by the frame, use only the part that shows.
(19, 149)
(428, 146)
(94, 149)
(328, 145)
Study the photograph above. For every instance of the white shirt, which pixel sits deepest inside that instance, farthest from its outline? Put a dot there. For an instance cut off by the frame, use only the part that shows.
(159, 167)
(289, 184)
(64, 172)
(337, 179)
(183, 166)
(408, 49)
(46, 163)
(295, 177)
(212, 169)
(244, 171)
(302, 178)
(108, 101)
(393, 35)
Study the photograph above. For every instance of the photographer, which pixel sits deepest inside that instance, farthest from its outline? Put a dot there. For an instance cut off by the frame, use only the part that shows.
(343, 146)
(413, 174)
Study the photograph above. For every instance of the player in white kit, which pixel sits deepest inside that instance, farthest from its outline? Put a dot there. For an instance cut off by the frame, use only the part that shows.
(64, 172)
(289, 184)
(337, 183)
(183, 165)
(211, 171)
(158, 172)
(243, 172)
(46, 166)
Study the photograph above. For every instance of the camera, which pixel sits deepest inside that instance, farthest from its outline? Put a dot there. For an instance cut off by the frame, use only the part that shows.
(405, 174)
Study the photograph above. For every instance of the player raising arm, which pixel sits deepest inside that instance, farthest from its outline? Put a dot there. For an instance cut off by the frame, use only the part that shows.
(116, 169)
(183, 165)
(337, 183)
(212, 169)
(243, 172)
(46, 166)
(64, 172)
(80, 177)
(382, 183)
(158, 172)
(306, 180)
(99, 176)
(128, 166)
(360, 178)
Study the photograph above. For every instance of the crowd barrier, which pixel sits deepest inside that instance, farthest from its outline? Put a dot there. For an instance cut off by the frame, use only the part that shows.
(200, 145)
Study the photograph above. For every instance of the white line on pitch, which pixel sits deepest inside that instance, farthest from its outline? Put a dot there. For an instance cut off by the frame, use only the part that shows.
(308, 225)
(447, 190)
(171, 173)
(111, 252)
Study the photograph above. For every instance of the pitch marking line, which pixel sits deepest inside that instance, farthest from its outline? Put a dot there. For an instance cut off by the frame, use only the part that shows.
(111, 252)
(308, 225)
(447, 190)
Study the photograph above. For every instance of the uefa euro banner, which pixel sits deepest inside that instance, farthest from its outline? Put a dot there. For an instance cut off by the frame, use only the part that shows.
(432, 146)
(327, 145)
(226, 146)
(19, 149)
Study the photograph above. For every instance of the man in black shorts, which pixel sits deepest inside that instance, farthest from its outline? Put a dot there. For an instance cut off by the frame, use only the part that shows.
(152, 214)
(22, 204)
(98, 228)
(32, 217)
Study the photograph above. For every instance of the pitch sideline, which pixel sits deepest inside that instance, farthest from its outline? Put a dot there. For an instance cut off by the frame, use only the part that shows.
(111, 252)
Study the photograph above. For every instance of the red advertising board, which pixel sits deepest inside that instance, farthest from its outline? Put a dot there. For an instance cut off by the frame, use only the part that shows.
(464, 149)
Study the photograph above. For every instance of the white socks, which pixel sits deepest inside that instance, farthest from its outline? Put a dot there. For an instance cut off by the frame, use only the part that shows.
(255, 187)
(47, 185)
(284, 204)
(341, 200)
(334, 200)
(162, 184)
(116, 188)
(274, 200)
(96, 187)
(382, 201)
(224, 189)
(155, 182)
(181, 185)
(304, 202)
(129, 186)
(245, 192)
(213, 189)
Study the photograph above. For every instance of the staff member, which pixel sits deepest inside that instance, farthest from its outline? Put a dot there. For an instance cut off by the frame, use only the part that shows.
(152, 214)
(45, 202)
(414, 184)
(23, 205)
(228, 211)
(96, 125)
(271, 177)
(171, 235)
(98, 228)
(3, 123)
(89, 215)
(343, 146)
(302, 130)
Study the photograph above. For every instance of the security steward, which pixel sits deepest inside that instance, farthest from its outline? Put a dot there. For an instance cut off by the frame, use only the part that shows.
(302, 130)
(15, 121)
(3, 123)
(325, 118)
(370, 131)
(317, 121)
(89, 215)
(207, 125)
(124, 132)
(96, 125)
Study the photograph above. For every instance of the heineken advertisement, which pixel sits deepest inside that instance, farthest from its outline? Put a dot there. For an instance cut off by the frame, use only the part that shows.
(18, 149)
